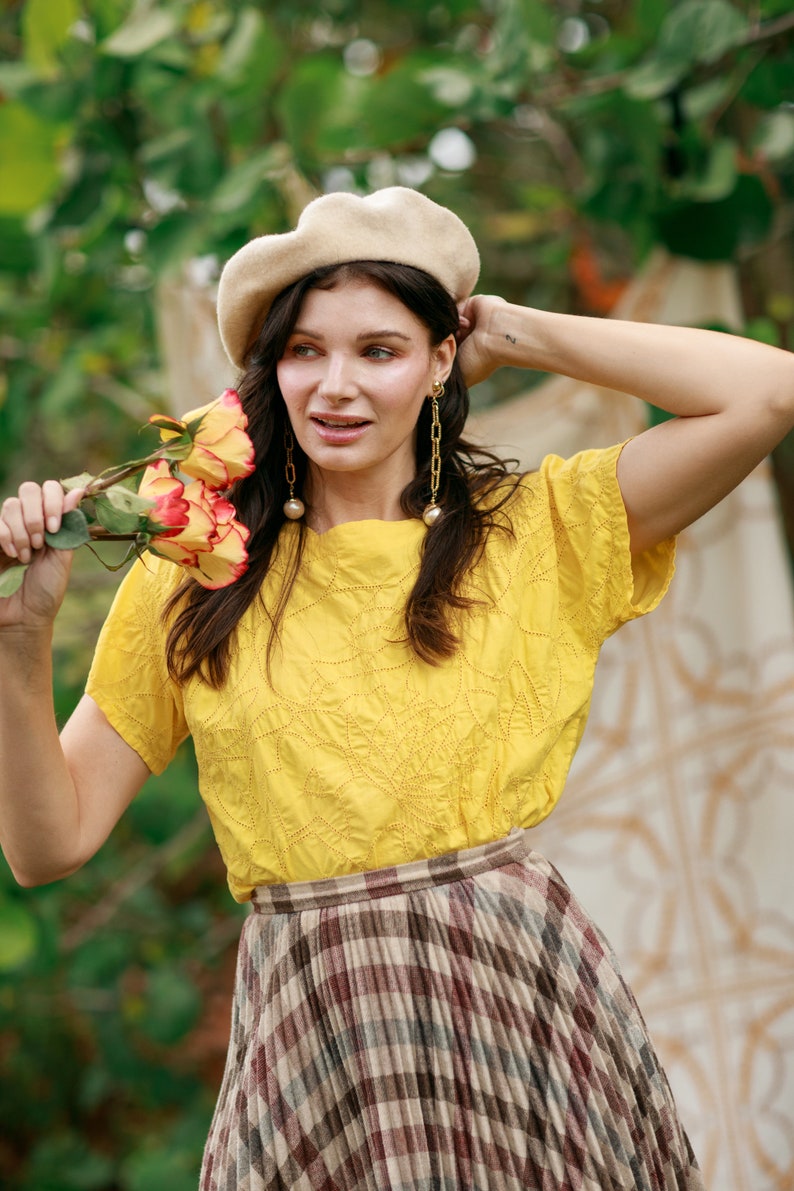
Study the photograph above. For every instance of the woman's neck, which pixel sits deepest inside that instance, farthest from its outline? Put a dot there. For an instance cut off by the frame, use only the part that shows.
(337, 498)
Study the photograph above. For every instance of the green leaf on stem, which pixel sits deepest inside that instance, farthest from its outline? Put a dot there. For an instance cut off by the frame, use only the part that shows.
(73, 532)
(115, 520)
(81, 481)
(11, 580)
(126, 500)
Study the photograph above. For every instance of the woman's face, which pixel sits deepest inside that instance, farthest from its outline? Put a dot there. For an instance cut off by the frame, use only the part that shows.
(354, 374)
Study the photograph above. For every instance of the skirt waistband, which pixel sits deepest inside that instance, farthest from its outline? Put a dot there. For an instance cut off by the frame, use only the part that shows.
(386, 882)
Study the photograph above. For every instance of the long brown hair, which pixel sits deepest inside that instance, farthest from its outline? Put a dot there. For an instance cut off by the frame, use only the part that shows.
(200, 637)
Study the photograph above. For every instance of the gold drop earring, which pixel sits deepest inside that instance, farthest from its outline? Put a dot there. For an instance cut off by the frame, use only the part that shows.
(433, 512)
(294, 508)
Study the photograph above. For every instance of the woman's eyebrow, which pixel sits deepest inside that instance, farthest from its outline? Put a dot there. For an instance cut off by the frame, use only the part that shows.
(382, 334)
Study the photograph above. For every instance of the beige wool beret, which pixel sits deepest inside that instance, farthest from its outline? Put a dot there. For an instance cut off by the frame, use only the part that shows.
(396, 224)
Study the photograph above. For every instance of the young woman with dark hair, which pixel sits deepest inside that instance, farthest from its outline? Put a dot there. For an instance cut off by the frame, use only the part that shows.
(386, 703)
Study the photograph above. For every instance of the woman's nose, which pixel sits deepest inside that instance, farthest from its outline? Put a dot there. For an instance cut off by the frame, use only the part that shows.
(337, 382)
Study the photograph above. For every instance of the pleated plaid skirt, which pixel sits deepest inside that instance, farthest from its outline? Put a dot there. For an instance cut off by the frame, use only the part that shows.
(455, 1024)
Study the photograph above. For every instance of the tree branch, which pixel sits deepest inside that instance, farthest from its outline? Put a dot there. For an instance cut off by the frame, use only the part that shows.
(603, 84)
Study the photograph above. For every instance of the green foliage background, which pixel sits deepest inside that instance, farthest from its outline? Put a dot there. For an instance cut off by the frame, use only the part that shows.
(136, 136)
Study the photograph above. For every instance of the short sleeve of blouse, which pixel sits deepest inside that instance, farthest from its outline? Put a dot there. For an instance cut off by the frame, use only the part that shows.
(128, 678)
(601, 585)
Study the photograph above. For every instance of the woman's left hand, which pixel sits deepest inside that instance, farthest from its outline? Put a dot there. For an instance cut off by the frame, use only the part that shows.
(477, 344)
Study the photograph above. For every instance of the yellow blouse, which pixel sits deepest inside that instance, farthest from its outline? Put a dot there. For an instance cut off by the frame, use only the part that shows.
(360, 755)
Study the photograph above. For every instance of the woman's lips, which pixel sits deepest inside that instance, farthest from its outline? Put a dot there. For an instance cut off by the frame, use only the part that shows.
(339, 431)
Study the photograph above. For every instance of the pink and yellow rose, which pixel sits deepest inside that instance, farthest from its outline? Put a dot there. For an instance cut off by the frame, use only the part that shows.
(191, 524)
(220, 451)
(211, 543)
(170, 512)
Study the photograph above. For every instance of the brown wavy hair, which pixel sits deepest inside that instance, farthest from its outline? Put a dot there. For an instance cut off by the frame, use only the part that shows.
(202, 632)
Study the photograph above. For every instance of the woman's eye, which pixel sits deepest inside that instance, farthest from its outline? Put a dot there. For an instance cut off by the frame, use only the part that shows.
(379, 353)
(303, 350)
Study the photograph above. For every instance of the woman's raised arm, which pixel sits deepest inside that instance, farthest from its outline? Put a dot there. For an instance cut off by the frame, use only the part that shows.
(733, 399)
(59, 799)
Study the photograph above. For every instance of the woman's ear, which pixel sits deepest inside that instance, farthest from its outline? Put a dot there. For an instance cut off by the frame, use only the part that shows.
(444, 356)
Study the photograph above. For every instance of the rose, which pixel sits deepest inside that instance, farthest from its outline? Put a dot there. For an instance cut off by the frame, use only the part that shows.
(170, 512)
(211, 544)
(193, 525)
(219, 450)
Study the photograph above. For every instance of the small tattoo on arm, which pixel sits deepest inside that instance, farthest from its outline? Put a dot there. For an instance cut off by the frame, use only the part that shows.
(510, 337)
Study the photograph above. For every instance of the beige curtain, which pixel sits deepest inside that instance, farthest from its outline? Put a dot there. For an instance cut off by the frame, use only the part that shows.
(677, 827)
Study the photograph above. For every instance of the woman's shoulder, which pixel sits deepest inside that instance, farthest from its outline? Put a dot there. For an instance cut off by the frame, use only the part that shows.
(144, 591)
(560, 489)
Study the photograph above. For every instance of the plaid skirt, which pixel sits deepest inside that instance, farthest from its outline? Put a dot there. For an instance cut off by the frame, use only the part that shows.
(454, 1024)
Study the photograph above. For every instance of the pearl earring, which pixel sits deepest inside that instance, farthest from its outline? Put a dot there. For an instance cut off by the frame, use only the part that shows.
(433, 512)
(294, 508)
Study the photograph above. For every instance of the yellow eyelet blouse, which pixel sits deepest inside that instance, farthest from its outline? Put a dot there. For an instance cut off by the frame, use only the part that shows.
(360, 755)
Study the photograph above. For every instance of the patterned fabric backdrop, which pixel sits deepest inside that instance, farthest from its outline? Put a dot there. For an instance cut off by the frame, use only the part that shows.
(677, 824)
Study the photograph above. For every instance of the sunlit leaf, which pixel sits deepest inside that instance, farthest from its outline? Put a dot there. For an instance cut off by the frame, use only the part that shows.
(45, 28)
(80, 481)
(125, 500)
(240, 185)
(18, 935)
(144, 29)
(29, 150)
(701, 30)
(718, 178)
(695, 31)
(11, 580)
(115, 520)
(774, 136)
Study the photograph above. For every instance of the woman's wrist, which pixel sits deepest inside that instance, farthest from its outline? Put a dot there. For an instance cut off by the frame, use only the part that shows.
(513, 335)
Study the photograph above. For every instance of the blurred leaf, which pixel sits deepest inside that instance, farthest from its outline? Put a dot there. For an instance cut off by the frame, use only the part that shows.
(774, 136)
(713, 231)
(67, 1163)
(241, 184)
(45, 28)
(780, 306)
(161, 1168)
(718, 177)
(252, 53)
(764, 330)
(769, 83)
(18, 932)
(700, 101)
(15, 77)
(31, 146)
(328, 112)
(172, 1006)
(143, 30)
(695, 31)
(701, 30)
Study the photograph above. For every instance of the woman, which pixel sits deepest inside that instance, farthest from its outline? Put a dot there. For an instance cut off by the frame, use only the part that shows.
(385, 702)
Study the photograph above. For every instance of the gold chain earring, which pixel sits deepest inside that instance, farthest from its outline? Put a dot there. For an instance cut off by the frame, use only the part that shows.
(294, 508)
(433, 512)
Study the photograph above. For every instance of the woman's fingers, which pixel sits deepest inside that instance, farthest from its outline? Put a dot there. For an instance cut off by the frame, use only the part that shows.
(24, 518)
(52, 504)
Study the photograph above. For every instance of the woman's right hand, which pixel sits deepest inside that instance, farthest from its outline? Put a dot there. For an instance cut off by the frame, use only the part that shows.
(23, 520)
